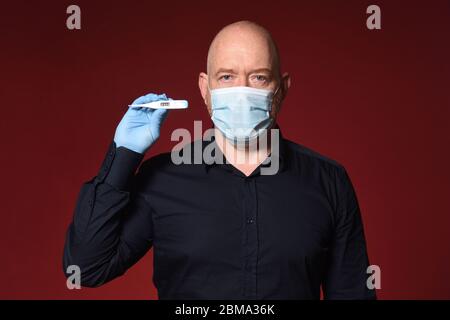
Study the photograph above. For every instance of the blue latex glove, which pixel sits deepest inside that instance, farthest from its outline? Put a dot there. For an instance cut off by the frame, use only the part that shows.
(139, 127)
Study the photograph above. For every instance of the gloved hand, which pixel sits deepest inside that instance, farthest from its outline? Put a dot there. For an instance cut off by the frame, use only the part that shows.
(139, 127)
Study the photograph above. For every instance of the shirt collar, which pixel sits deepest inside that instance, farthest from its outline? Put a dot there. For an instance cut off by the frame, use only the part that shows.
(220, 160)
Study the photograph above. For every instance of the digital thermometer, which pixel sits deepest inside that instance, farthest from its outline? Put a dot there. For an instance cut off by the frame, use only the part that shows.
(162, 104)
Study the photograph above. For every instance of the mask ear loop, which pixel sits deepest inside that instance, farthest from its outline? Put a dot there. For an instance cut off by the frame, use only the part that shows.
(271, 106)
(212, 110)
(274, 94)
(273, 97)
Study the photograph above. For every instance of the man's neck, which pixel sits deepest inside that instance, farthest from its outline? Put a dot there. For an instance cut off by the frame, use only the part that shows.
(244, 158)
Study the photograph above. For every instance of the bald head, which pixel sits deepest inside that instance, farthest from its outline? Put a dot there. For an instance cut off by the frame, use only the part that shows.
(248, 38)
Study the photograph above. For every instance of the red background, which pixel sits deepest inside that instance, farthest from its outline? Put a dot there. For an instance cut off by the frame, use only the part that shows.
(376, 101)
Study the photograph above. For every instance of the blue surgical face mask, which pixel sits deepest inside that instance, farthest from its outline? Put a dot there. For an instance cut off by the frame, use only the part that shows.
(240, 112)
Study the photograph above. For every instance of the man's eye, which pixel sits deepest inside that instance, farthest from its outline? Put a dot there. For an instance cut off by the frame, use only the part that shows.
(226, 77)
(261, 78)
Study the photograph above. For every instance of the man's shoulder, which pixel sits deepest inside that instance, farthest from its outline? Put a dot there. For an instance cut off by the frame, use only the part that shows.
(158, 160)
(310, 156)
(170, 161)
(314, 164)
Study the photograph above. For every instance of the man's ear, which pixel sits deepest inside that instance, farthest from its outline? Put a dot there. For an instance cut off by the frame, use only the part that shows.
(285, 84)
(203, 85)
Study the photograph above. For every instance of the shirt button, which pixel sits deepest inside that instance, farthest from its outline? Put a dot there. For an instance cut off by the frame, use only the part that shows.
(250, 220)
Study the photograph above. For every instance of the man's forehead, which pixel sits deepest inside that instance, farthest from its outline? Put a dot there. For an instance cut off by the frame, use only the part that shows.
(241, 57)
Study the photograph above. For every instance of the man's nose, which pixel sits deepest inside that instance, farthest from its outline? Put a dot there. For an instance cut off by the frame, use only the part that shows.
(243, 82)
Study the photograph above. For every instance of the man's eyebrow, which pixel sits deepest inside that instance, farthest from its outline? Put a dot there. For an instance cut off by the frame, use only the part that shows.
(262, 70)
(223, 70)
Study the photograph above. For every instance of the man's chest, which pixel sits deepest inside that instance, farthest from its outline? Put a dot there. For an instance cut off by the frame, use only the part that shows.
(288, 217)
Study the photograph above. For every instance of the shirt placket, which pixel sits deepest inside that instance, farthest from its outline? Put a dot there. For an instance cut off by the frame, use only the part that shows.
(250, 238)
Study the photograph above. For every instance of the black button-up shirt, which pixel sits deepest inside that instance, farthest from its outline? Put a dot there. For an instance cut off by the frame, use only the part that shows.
(218, 234)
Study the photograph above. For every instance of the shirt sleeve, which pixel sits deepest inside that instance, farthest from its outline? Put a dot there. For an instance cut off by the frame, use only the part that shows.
(112, 224)
(347, 276)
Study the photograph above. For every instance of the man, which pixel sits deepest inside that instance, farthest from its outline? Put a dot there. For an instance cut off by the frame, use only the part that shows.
(224, 230)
